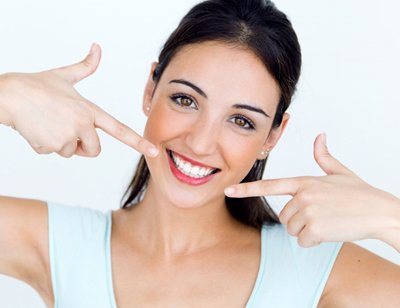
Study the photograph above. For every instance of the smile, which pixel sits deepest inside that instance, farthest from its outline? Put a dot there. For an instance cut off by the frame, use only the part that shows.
(190, 171)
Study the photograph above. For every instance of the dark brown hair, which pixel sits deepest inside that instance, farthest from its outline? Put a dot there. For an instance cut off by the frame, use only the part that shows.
(255, 25)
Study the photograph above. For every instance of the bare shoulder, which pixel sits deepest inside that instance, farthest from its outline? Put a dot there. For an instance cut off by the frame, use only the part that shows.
(361, 278)
(24, 242)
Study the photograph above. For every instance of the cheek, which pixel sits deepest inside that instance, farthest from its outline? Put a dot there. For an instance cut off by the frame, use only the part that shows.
(240, 153)
(163, 123)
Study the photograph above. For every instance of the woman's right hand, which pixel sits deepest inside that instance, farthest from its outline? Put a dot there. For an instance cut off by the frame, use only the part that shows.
(52, 116)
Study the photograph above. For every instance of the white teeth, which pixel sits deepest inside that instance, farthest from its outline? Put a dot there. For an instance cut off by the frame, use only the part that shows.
(187, 168)
(180, 163)
(190, 170)
(202, 172)
(195, 171)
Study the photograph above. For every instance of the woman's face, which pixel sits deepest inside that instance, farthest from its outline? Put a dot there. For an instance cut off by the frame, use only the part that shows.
(211, 116)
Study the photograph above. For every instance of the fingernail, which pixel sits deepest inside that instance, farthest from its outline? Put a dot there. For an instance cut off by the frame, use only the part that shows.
(229, 191)
(153, 152)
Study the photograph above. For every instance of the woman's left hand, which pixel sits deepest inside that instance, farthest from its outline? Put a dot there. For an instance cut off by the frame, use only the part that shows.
(337, 207)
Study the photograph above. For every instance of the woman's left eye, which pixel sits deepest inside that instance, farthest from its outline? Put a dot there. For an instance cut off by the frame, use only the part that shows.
(243, 122)
(184, 101)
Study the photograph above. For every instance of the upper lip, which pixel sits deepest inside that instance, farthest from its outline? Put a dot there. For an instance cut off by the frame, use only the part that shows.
(192, 161)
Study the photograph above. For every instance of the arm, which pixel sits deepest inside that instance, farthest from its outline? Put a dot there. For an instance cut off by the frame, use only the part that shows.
(66, 127)
(341, 207)
(360, 278)
(24, 243)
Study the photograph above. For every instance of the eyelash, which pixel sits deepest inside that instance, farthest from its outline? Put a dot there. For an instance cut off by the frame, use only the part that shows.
(178, 96)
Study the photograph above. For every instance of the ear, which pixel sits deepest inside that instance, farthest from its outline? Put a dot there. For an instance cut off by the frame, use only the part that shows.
(274, 136)
(148, 90)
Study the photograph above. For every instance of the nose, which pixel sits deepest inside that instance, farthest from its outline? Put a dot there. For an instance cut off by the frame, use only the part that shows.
(202, 137)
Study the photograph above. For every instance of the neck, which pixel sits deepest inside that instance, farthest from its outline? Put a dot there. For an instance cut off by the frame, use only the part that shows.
(168, 230)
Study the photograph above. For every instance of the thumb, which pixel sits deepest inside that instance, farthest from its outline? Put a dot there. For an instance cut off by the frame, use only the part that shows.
(76, 72)
(325, 160)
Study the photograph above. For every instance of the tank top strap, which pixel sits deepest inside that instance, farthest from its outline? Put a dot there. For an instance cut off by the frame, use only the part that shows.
(79, 256)
(291, 276)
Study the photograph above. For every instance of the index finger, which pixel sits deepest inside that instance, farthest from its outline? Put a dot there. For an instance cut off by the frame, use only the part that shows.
(274, 187)
(123, 133)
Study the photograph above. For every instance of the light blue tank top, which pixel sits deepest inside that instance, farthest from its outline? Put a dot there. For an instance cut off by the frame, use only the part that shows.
(80, 260)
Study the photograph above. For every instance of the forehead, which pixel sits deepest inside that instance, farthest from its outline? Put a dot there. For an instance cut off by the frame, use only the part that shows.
(225, 72)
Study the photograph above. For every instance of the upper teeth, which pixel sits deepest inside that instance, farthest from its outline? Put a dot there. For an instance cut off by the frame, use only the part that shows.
(190, 170)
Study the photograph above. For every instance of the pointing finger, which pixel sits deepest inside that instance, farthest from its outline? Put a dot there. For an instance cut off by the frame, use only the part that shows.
(285, 186)
(123, 133)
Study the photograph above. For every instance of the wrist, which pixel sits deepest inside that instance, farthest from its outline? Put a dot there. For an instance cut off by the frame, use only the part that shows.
(5, 117)
(389, 231)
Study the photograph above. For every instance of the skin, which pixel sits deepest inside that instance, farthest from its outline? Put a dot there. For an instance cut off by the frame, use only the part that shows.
(181, 224)
(68, 127)
(186, 231)
(343, 195)
(206, 132)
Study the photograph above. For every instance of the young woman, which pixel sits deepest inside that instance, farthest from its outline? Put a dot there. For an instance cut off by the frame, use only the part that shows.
(188, 233)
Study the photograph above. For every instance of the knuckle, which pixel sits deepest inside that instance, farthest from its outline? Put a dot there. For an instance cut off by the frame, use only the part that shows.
(307, 239)
(65, 154)
(66, 133)
(303, 198)
(308, 213)
(265, 185)
(97, 151)
(253, 189)
(291, 229)
(282, 218)
(70, 136)
(94, 152)
(82, 119)
(303, 242)
(41, 150)
(81, 122)
(312, 229)
(310, 181)
(88, 65)
(140, 144)
(57, 146)
(244, 188)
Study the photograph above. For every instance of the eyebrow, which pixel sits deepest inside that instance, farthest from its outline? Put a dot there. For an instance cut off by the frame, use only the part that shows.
(202, 93)
(189, 84)
(251, 108)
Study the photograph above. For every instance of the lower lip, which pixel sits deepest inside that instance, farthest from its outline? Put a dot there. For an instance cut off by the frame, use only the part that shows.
(187, 179)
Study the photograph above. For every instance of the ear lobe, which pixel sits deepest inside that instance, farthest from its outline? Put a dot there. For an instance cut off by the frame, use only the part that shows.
(148, 90)
(273, 137)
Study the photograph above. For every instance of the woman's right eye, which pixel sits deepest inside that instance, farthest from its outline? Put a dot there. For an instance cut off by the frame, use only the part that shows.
(184, 101)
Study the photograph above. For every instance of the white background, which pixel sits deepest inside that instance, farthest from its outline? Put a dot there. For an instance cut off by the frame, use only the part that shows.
(349, 89)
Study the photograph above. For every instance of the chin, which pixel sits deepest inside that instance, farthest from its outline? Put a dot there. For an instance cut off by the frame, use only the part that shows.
(187, 198)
